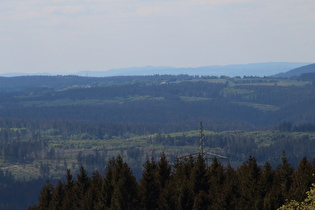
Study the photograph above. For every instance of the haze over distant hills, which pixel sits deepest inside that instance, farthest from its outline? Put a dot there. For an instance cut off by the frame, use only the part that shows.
(298, 71)
(253, 69)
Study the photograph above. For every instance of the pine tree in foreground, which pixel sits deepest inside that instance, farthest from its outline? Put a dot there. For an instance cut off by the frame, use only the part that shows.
(189, 184)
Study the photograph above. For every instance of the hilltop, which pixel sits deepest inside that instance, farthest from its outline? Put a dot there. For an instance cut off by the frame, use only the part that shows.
(252, 69)
(52, 123)
(298, 71)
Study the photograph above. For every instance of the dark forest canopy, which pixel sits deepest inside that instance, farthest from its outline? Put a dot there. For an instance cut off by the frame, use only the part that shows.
(247, 103)
(189, 183)
(51, 124)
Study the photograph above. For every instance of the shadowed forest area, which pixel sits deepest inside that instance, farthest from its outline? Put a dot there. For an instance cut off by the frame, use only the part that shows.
(53, 124)
(187, 184)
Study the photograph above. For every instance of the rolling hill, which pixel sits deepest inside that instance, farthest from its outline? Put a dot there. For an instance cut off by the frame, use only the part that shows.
(253, 69)
(298, 71)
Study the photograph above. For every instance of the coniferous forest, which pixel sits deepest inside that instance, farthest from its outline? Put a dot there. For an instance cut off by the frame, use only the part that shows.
(79, 142)
(190, 183)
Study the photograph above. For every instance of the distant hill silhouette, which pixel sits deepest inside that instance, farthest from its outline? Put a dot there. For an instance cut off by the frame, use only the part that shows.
(298, 71)
(252, 69)
(18, 74)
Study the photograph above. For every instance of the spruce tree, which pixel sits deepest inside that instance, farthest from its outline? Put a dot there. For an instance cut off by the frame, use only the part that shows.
(168, 199)
(108, 184)
(248, 177)
(83, 181)
(303, 179)
(267, 187)
(166, 195)
(70, 198)
(185, 199)
(125, 192)
(216, 181)
(57, 197)
(164, 171)
(199, 178)
(183, 168)
(179, 190)
(149, 185)
(231, 194)
(202, 202)
(284, 180)
(45, 196)
(92, 196)
(118, 189)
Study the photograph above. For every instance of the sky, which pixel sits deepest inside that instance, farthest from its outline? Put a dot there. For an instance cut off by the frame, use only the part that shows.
(97, 35)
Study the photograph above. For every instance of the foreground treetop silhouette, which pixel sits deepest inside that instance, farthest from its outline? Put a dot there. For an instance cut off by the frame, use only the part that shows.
(189, 183)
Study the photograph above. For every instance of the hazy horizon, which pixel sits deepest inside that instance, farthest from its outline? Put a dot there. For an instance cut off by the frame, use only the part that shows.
(249, 69)
(98, 35)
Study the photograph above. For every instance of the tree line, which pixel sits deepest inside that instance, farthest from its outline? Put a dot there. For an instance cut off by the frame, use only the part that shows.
(188, 183)
(162, 99)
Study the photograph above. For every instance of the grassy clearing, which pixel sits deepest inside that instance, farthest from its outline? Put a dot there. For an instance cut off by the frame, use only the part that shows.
(274, 82)
(71, 102)
(262, 107)
(230, 92)
(66, 151)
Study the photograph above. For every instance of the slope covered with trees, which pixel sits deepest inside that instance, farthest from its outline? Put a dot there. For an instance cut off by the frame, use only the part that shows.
(51, 124)
(298, 71)
(187, 184)
(229, 103)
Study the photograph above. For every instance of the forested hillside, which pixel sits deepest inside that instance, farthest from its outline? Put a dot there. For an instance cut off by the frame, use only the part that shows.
(51, 124)
(298, 71)
(188, 184)
(223, 103)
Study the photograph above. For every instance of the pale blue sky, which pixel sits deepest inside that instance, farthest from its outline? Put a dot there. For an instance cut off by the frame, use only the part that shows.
(75, 35)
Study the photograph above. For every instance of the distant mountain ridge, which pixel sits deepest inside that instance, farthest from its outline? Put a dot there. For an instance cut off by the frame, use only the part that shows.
(252, 69)
(17, 74)
(298, 71)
